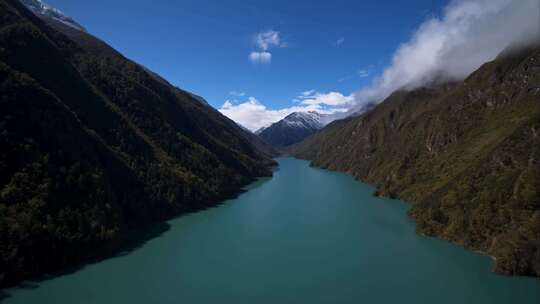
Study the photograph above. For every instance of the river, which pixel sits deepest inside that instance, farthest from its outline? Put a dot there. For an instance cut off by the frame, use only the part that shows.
(305, 235)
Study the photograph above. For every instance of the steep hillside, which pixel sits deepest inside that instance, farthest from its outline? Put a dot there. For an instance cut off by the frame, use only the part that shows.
(292, 129)
(93, 145)
(467, 155)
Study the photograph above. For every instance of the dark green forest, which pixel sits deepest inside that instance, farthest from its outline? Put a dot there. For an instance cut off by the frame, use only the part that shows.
(465, 154)
(93, 145)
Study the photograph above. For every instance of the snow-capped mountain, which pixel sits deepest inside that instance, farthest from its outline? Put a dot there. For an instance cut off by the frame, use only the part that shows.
(260, 130)
(42, 9)
(293, 128)
(309, 120)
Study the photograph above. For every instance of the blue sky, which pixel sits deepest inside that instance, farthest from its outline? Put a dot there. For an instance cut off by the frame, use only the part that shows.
(221, 49)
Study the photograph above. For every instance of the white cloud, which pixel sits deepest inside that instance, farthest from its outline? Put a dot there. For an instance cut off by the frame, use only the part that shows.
(340, 41)
(363, 73)
(470, 33)
(237, 93)
(268, 39)
(260, 57)
(265, 41)
(308, 93)
(253, 115)
(333, 99)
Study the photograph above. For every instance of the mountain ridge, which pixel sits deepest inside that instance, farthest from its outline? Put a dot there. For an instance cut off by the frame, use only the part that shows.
(40, 8)
(292, 129)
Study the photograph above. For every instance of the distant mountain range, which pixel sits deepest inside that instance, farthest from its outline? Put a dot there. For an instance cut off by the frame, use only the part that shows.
(292, 129)
(95, 145)
(299, 125)
(466, 154)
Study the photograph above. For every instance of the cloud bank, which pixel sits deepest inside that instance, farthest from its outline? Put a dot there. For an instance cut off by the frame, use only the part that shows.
(332, 99)
(253, 115)
(469, 33)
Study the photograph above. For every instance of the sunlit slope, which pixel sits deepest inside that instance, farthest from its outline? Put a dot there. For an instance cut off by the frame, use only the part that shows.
(466, 154)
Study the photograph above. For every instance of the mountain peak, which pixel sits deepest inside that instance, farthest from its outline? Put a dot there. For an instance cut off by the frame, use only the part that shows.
(293, 128)
(309, 119)
(42, 9)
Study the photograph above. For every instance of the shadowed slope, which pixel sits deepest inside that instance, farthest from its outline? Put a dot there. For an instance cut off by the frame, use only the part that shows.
(94, 145)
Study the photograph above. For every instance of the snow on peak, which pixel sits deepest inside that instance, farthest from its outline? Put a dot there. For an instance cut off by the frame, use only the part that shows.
(40, 8)
(308, 120)
(260, 130)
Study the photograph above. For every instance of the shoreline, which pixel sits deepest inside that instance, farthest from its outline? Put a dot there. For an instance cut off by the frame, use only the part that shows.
(377, 193)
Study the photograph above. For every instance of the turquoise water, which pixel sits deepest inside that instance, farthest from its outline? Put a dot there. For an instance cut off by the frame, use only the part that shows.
(303, 236)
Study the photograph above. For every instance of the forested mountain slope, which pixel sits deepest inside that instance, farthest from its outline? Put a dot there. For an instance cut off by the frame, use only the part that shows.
(466, 154)
(93, 145)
